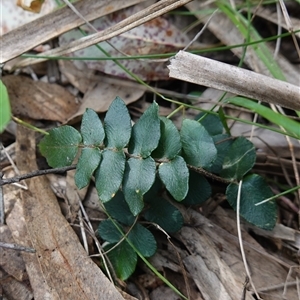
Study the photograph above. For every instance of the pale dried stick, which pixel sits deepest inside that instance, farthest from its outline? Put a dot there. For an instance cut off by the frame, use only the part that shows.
(22, 186)
(279, 31)
(277, 286)
(83, 234)
(16, 247)
(89, 24)
(290, 26)
(201, 31)
(79, 15)
(28, 36)
(2, 210)
(294, 162)
(124, 237)
(204, 71)
(96, 241)
(238, 221)
(286, 281)
(293, 158)
(185, 277)
(133, 21)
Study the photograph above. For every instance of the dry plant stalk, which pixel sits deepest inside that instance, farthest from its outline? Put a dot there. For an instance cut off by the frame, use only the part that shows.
(135, 20)
(221, 76)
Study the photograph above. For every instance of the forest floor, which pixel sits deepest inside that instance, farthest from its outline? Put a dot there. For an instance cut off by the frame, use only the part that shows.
(48, 214)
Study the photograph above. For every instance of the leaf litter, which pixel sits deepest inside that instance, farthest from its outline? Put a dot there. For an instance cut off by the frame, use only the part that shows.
(209, 240)
(156, 36)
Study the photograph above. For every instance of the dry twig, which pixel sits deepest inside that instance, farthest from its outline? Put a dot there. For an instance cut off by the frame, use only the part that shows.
(211, 73)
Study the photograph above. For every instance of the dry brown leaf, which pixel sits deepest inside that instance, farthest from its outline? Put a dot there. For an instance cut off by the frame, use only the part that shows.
(33, 6)
(78, 74)
(39, 100)
(60, 260)
(100, 96)
(156, 36)
(64, 188)
(99, 93)
(74, 195)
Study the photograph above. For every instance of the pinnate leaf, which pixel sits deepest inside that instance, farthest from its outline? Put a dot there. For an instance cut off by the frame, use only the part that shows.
(222, 143)
(212, 123)
(109, 174)
(145, 133)
(239, 160)
(143, 240)
(163, 213)
(138, 179)
(156, 189)
(123, 259)
(198, 146)
(199, 189)
(5, 110)
(118, 209)
(169, 144)
(108, 231)
(60, 146)
(87, 164)
(254, 190)
(175, 175)
(117, 124)
(91, 129)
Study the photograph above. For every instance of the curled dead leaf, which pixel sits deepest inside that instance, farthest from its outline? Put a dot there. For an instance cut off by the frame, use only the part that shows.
(39, 100)
(34, 6)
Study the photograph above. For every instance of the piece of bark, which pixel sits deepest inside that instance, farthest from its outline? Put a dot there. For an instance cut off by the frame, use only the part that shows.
(14, 289)
(60, 261)
(11, 261)
(212, 275)
(17, 225)
(204, 71)
(220, 246)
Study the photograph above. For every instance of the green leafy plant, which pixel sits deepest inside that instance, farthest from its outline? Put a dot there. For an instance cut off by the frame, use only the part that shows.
(136, 167)
(5, 112)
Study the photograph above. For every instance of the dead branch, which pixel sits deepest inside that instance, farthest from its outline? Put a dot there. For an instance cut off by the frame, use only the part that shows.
(221, 76)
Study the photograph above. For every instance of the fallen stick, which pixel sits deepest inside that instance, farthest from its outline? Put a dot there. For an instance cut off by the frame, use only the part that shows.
(228, 78)
(30, 35)
(133, 21)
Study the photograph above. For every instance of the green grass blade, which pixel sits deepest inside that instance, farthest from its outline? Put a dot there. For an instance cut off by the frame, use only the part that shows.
(261, 50)
(291, 126)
